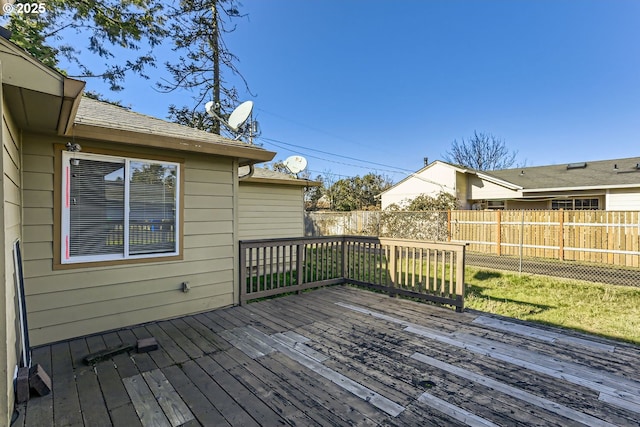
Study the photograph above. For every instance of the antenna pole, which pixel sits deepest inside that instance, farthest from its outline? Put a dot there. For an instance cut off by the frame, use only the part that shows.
(215, 48)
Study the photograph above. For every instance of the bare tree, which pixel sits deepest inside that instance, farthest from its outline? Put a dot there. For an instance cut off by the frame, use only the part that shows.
(482, 152)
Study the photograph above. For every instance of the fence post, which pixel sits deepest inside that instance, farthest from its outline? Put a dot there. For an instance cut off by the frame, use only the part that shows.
(499, 232)
(392, 268)
(521, 240)
(561, 234)
(449, 225)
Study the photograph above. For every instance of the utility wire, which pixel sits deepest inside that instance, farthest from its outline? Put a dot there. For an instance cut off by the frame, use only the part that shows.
(398, 170)
(275, 142)
(339, 137)
(301, 149)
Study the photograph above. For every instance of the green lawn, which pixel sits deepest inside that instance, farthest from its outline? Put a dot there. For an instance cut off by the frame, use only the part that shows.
(606, 310)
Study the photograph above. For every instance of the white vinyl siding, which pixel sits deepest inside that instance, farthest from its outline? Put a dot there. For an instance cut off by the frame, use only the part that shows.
(627, 199)
(436, 178)
(480, 189)
(65, 303)
(269, 211)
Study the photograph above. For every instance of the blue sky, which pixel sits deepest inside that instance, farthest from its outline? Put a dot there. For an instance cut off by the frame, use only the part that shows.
(389, 82)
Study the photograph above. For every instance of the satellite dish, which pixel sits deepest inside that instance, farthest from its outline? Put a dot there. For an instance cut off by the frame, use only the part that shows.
(240, 115)
(208, 107)
(295, 164)
(236, 123)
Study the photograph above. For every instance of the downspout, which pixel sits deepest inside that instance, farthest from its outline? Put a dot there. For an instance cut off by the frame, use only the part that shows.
(248, 175)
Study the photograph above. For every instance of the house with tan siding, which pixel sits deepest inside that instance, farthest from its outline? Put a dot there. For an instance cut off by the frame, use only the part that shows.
(271, 205)
(122, 218)
(602, 184)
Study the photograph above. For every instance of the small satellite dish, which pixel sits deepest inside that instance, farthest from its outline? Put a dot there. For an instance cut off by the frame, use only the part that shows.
(295, 164)
(240, 115)
(208, 107)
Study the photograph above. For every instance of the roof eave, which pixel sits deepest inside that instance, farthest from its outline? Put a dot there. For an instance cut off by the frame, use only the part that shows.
(246, 155)
(72, 94)
(575, 188)
(498, 181)
(294, 182)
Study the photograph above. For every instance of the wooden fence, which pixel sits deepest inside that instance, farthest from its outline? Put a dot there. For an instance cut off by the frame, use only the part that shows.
(424, 270)
(603, 237)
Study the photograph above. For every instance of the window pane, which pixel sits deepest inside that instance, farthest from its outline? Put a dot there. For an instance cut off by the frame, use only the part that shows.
(96, 208)
(587, 204)
(562, 204)
(152, 208)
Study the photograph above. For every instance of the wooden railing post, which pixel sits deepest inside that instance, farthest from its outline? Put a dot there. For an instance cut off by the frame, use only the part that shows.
(393, 272)
(299, 263)
(243, 273)
(345, 259)
(449, 225)
(460, 285)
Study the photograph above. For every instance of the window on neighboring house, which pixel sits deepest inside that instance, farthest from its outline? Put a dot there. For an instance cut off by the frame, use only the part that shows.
(495, 204)
(576, 204)
(118, 208)
(586, 204)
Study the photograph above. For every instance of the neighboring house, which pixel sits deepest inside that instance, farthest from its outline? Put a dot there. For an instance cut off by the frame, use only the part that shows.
(271, 204)
(604, 184)
(116, 233)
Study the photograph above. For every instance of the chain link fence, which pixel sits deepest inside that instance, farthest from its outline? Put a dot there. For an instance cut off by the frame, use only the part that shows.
(596, 246)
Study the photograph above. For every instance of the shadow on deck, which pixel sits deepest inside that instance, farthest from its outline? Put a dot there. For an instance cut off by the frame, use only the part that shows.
(340, 356)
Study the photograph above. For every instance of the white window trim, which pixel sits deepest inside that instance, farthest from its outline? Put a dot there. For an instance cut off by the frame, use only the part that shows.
(65, 205)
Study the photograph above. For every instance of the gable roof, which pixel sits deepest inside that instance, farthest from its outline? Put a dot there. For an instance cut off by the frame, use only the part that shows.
(108, 122)
(595, 174)
(417, 173)
(599, 174)
(457, 168)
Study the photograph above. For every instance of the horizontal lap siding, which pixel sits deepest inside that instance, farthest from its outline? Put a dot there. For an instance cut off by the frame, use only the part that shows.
(623, 200)
(68, 303)
(270, 211)
(11, 231)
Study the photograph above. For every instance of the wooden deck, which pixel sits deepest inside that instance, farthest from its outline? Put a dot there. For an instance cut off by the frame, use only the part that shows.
(341, 356)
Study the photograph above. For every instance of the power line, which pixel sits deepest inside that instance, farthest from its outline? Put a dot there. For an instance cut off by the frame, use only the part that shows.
(317, 129)
(334, 161)
(396, 169)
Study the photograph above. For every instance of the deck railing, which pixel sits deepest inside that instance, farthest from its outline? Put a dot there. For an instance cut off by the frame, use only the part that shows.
(425, 270)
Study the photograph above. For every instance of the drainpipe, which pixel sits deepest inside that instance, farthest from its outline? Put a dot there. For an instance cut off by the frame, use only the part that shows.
(248, 175)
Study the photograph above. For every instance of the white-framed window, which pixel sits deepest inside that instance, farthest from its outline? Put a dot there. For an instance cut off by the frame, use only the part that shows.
(117, 208)
(576, 204)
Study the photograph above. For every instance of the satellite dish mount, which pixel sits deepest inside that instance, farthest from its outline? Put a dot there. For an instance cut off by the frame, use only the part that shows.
(240, 122)
(295, 164)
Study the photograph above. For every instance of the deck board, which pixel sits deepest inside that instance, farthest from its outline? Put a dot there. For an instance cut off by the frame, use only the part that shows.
(342, 356)
(66, 404)
(39, 411)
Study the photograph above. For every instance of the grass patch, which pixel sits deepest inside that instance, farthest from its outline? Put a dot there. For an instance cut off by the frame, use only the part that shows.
(606, 310)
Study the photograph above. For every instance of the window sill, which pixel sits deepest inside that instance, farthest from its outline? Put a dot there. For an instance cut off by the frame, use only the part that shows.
(116, 262)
